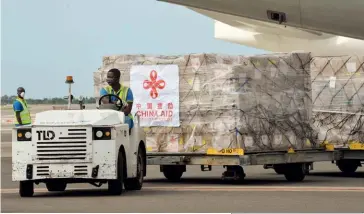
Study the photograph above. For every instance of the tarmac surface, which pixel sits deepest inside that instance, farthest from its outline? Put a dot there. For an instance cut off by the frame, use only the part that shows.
(324, 190)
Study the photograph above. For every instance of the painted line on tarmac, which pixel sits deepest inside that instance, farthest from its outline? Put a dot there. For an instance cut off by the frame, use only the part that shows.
(261, 189)
(221, 189)
(11, 120)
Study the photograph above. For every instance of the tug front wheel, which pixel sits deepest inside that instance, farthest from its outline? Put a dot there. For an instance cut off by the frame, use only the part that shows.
(26, 188)
(56, 186)
(115, 187)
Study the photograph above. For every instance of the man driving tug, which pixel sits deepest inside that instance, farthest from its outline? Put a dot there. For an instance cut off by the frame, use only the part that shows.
(69, 146)
(124, 93)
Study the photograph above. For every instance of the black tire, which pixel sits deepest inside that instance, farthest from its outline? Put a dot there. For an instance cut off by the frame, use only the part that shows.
(115, 187)
(26, 188)
(137, 182)
(307, 168)
(295, 172)
(235, 174)
(56, 186)
(173, 173)
(279, 169)
(348, 166)
(240, 173)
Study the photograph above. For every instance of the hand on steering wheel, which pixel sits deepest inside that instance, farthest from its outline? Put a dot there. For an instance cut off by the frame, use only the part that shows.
(119, 104)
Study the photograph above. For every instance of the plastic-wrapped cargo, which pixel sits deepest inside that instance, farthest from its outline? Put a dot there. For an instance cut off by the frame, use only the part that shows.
(338, 99)
(259, 103)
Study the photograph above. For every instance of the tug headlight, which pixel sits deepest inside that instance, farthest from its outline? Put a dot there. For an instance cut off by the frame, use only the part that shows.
(28, 135)
(101, 133)
(24, 134)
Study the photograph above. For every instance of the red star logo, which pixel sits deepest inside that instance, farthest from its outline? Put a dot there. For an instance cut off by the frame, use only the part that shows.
(153, 84)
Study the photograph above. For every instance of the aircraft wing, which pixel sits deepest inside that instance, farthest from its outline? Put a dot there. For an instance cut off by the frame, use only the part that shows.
(269, 35)
(336, 17)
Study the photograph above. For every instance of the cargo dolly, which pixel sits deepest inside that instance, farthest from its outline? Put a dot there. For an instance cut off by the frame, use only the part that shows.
(348, 159)
(294, 165)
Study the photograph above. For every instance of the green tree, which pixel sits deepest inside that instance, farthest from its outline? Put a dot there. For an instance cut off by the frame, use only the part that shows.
(6, 99)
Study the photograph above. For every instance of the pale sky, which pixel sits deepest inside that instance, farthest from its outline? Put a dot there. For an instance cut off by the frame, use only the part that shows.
(43, 41)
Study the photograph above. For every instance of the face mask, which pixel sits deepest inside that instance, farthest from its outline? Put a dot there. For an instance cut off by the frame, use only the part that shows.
(22, 94)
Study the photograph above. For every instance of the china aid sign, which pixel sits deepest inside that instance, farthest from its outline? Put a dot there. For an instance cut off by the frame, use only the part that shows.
(156, 94)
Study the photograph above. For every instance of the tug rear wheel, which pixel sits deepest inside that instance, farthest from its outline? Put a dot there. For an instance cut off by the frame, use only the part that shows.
(137, 182)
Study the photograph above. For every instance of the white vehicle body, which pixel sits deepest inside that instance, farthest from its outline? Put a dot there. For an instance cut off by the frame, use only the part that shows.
(63, 146)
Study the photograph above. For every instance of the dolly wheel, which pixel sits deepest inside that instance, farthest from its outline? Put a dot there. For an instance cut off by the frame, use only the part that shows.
(295, 172)
(279, 169)
(173, 173)
(234, 173)
(348, 166)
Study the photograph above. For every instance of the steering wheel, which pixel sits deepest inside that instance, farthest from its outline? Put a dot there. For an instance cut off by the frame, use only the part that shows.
(118, 105)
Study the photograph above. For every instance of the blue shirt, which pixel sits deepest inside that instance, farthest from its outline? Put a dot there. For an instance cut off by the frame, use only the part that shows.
(129, 95)
(17, 106)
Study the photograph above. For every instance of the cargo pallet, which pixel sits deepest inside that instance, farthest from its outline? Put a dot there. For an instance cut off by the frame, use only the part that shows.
(294, 165)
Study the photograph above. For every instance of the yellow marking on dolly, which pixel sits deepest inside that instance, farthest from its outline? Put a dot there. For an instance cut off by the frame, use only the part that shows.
(308, 142)
(291, 151)
(328, 146)
(196, 148)
(180, 141)
(356, 145)
(228, 151)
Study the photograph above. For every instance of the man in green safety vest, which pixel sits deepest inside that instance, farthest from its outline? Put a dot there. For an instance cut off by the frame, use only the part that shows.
(125, 94)
(20, 106)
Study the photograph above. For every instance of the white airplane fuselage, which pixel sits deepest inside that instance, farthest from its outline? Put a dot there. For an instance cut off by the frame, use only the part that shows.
(322, 27)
